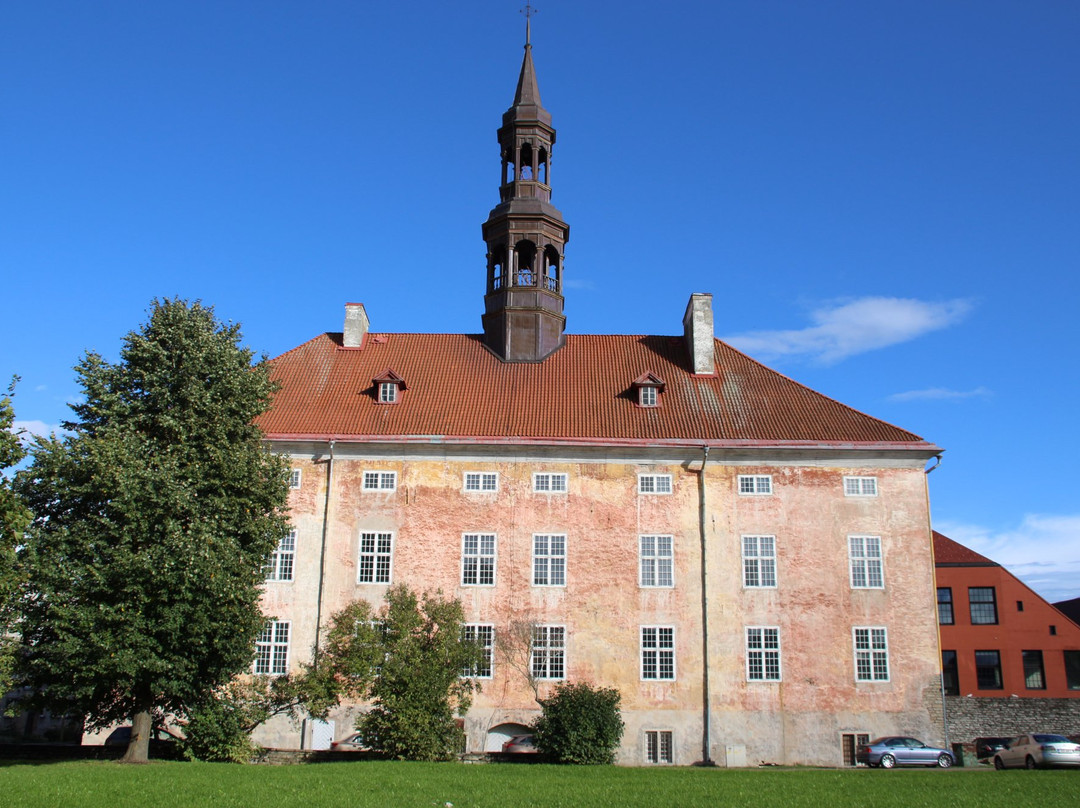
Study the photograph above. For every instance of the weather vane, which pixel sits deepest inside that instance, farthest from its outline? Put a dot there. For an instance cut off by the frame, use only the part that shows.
(528, 11)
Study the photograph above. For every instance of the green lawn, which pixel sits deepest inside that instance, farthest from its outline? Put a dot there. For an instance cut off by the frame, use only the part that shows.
(379, 783)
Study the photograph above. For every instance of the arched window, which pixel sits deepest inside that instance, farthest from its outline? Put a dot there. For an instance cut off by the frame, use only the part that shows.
(542, 167)
(526, 161)
(525, 252)
(551, 269)
(497, 267)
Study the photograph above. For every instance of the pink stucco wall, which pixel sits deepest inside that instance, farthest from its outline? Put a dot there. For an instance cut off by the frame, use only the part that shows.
(797, 720)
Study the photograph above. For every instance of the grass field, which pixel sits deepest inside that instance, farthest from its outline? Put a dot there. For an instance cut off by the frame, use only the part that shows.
(379, 783)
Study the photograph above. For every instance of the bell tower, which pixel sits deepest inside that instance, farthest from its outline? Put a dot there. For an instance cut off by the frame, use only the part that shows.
(525, 234)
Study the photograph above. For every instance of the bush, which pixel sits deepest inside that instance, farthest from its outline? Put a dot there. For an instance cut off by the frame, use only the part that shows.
(217, 732)
(580, 724)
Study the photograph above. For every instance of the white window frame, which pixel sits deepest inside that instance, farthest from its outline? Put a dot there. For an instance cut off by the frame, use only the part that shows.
(763, 648)
(281, 566)
(547, 653)
(379, 481)
(870, 645)
(381, 550)
(860, 487)
(659, 746)
(476, 559)
(657, 647)
(866, 562)
(480, 482)
(656, 568)
(654, 484)
(549, 482)
(648, 396)
(485, 634)
(272, 649)
(754, 485)
(388, 393)
(759, 561)
(548, 565)
(295, 476)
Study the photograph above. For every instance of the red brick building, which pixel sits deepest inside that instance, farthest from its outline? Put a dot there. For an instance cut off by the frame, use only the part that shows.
(998, 637)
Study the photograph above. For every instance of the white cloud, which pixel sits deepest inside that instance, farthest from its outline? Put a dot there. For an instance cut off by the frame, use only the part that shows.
(39, 428)
(939, 394)
(856, 326)
(1043, 551)
(577, 283)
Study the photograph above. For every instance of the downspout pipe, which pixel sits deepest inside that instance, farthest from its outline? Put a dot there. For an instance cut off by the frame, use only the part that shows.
(933, 563)
(706, 711)
(322, 554)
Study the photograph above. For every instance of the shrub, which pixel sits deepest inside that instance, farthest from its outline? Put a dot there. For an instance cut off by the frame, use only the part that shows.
(580, 724)
(217, 731)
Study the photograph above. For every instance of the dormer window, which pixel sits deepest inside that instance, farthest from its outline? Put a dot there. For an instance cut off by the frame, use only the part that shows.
(648, 387)
(388, 387)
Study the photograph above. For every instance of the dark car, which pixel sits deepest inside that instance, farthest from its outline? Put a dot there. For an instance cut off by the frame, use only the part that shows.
(899, 750)
(985, 747)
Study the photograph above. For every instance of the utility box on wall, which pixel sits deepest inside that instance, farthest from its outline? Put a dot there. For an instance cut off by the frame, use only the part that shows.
(735, 755)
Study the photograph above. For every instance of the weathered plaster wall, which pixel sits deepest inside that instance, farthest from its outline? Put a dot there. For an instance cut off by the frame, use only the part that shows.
(797, 720)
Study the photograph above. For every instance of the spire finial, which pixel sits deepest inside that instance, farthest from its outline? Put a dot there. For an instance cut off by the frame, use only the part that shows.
(528, 11)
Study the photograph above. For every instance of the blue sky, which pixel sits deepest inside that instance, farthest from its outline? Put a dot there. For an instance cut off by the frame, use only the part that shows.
(883, 198)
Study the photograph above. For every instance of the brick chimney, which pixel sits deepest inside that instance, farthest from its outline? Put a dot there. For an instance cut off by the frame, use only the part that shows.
(356, 325)
(698, 331)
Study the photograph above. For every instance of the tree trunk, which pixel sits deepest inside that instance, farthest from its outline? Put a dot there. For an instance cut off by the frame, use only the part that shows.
(138, 750)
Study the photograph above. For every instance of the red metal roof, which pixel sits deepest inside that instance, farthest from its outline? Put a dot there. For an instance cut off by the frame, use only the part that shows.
(457, 390)
(947, 551)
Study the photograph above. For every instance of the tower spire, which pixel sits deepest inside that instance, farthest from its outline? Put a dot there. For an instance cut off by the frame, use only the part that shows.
(525, 234)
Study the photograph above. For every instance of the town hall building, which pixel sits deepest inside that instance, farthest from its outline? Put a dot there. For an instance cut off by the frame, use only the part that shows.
(748, 561)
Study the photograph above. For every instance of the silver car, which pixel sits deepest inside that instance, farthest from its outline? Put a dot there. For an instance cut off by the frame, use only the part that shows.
(1037, 751)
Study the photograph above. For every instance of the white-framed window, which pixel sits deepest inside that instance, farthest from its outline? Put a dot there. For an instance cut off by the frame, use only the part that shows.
(759, 484)
(484, 635)
(548, 652)
(380, 480)
(272, 649)
(759, 561)
(294, 478)
(865, 555)
(657, 652)
(549, 483)
(481, 481)
(549, 559)
(763, 653)
(376, 553)
(860, 486)
(656, 555)
(654, 483)
(647, 395)
(388, 393)
(871, 654)
(279, 567)
(478, 559)
(659, 746)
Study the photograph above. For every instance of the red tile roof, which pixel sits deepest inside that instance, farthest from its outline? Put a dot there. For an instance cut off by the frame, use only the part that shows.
(947, 551)
(457, 390)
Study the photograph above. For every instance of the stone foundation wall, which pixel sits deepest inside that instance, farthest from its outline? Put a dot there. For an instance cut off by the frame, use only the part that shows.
(971, 718)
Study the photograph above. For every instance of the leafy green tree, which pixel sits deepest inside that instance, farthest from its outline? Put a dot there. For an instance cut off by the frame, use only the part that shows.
(419, 653)
(14, 517)
(580, 724)
(152, 522)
